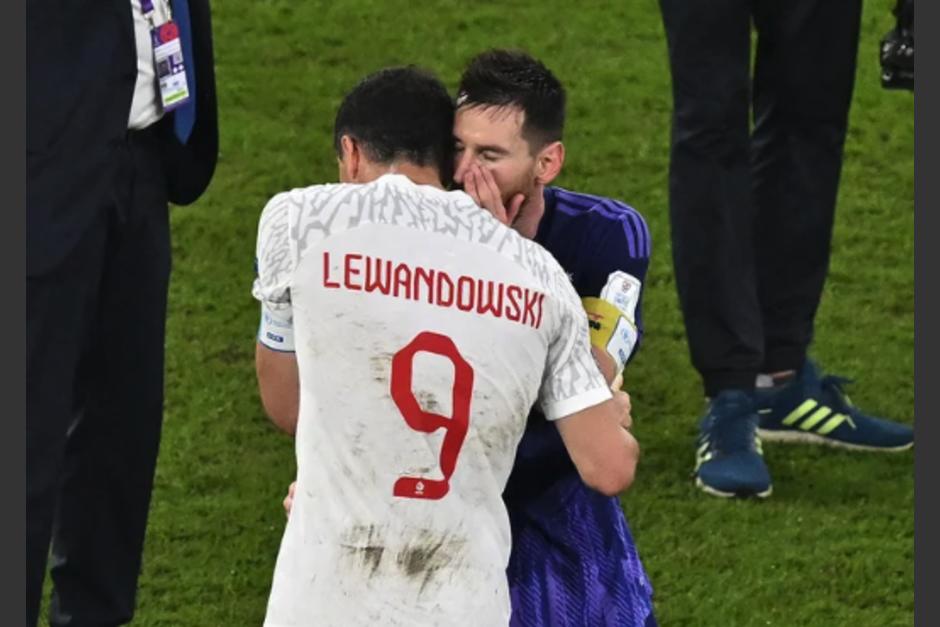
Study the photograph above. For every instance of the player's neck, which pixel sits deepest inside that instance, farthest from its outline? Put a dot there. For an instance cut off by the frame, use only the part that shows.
(419, 175)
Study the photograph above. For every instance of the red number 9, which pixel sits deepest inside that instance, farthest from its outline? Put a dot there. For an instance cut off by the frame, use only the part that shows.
(427, 422)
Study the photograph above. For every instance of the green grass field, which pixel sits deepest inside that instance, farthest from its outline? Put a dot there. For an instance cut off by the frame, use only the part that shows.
(833, 546)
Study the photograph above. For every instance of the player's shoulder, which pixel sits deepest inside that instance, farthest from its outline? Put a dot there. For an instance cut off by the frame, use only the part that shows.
(323, 208)
(300, 198)
(601, 209)
(540, 265)
(607, 220)
(389, 192)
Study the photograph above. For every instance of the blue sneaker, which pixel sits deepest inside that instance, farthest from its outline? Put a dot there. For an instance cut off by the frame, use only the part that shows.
(728, 458)
(816, 409)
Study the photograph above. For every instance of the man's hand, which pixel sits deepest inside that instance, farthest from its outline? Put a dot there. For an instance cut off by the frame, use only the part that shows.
(527, 219)
(479, 183)
(524, 212)
(622, 400)
(617, 383)
(289, 499)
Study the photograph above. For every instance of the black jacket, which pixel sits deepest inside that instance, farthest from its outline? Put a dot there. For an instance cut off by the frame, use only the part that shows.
(81, 73)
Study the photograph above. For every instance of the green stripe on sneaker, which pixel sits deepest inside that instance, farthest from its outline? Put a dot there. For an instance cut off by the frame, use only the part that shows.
(832, 423)
(815, 418)
(800, 411)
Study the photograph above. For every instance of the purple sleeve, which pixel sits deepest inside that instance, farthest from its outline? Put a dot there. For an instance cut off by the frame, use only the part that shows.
(625, 246)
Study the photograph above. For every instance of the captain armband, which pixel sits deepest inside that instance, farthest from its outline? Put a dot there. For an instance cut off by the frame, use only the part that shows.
(612, 317)
(611, 331)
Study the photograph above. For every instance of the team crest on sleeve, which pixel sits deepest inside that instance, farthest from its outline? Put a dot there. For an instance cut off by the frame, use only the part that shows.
(623, 292)
(277, 328)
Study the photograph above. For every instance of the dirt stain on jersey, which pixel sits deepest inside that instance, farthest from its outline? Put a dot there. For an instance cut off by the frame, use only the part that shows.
(428, 402)
(364, 548)
(357, 449)
(380, 366)
(497, 437)
(428, 554)
(496, 440)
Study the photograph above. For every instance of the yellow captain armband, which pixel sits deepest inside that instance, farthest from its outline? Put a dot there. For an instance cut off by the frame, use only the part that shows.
(611, 331)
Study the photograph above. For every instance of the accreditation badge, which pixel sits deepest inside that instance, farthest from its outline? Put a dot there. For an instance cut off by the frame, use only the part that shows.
(168, 61)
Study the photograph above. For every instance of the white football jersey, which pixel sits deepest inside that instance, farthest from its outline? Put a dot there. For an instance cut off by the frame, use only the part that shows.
(424, 332)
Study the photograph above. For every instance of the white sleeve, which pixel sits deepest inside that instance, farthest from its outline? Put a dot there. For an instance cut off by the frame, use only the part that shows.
(275, 260)
(572, 379)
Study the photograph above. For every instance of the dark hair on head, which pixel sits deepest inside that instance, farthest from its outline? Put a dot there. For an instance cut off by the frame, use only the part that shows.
(501, 78)
(400, 113)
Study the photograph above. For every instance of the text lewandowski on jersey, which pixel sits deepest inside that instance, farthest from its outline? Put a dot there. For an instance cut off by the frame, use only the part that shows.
(436, 287)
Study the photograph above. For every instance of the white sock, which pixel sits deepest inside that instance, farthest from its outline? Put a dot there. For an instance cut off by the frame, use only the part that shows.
(764, 381)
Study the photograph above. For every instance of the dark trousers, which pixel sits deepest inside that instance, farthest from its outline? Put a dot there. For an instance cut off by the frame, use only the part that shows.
(751, 209)
(95, 337)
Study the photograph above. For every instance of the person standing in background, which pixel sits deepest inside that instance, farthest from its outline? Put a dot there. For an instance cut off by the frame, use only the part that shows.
(751, 211)
(121, 121)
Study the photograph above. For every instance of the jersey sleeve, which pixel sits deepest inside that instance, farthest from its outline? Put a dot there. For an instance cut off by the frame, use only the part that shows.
(572, 381)
(612, 288)
(275, 261)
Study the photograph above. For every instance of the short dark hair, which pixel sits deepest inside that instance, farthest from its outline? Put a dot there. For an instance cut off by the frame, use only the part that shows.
(501, 78)
(400, 113)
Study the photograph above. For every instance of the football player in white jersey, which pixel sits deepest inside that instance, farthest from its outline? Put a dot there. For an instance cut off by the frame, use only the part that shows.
(416, 332)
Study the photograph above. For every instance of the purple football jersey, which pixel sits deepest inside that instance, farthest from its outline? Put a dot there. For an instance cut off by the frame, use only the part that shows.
(573, 560)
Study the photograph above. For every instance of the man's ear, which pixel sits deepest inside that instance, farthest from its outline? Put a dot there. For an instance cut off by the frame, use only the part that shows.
(549, 161)
(350, 163)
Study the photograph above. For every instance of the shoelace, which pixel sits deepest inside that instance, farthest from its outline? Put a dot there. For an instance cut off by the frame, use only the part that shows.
(733, 433)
